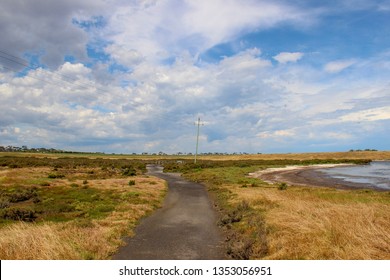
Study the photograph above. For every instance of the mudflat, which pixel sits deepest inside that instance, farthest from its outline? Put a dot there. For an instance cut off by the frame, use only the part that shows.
(309, 176)
(185, 228)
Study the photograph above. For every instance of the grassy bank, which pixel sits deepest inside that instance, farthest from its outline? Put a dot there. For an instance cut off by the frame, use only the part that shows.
(71, 208)
(276, 221)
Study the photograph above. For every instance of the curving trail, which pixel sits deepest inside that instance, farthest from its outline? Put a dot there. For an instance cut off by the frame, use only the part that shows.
(183, 229)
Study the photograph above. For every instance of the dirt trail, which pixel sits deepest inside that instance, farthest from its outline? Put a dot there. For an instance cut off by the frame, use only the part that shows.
(183, 229)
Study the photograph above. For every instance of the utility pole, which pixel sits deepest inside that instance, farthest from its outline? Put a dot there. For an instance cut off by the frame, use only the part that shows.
(197, 139)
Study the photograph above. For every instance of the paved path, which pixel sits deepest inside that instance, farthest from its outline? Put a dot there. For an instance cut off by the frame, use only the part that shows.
(183, 229)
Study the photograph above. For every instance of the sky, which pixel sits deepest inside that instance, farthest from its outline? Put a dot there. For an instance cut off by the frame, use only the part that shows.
(133, 76)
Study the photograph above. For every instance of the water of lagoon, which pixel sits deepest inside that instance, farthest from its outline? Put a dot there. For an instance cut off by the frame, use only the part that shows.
(377, 173)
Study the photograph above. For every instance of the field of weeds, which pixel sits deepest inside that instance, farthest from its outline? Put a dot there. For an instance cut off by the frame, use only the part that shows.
(276, 221)
(71, 208)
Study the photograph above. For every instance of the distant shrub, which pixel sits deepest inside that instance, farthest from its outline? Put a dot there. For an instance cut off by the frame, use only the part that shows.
(129, 171)
(4, 203)
(131, 182)
(282, 186)
(22, 195)
(85, 182)
(55, 176)
(17, 214)
(235, 215)
(105, 208)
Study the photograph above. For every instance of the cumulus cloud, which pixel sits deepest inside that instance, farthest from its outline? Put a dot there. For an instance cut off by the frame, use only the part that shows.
(285, 57)
(167, 27)
(237, 96)
(127, 57)
(144, 84)
(338, 65)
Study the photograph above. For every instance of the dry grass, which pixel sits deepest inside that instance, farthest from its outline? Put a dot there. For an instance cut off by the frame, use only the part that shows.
(97, 239)
(82, 237)
(330, 231)
(319, 223)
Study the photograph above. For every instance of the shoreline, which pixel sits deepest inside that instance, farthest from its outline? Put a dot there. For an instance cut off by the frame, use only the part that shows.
(309, 176)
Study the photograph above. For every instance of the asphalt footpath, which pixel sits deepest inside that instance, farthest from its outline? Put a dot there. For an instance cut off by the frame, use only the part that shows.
(185, 228)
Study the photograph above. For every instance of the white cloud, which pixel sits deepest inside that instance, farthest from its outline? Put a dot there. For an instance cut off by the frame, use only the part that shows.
(241, 98)
(285, 57)
(127, 57)
(278, 134)
(244, 63)
(247, 103)
(375, 114)
(338, 65)
(171, 27)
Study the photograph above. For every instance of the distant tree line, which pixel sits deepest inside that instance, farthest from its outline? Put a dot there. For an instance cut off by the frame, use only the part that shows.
(52, 150)
(365, 150)
(33, 150)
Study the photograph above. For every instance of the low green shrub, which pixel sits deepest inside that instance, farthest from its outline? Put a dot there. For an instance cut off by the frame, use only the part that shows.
(129, 171)
(19, 214)
(22, 195)
(282, 186)
(55, 176)
(4, 203)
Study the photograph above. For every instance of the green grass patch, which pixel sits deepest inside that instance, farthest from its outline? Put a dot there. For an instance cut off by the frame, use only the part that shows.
(60, 204)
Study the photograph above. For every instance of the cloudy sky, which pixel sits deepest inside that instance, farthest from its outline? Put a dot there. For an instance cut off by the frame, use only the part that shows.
(129, 76)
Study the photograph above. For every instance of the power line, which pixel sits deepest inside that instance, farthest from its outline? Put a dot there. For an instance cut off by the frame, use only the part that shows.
(31, 66)
(36, 78)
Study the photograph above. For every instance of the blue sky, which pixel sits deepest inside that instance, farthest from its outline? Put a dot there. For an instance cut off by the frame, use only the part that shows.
(133, 76)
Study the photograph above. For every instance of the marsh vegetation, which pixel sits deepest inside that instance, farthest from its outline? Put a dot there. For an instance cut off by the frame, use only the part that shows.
(71, 208)
(79, 207)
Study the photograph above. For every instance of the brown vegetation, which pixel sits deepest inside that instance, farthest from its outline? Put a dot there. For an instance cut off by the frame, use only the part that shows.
(316, 223)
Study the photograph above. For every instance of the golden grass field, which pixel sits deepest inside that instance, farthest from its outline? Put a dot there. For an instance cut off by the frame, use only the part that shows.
(321, 223)
(82, 216)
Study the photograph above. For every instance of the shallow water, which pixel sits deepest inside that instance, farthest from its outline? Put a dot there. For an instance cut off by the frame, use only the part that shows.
(376, 173)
